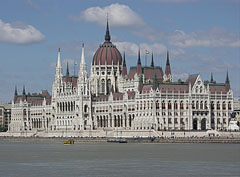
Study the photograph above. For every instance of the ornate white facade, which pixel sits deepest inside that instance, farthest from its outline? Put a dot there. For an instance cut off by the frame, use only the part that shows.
(110, 98)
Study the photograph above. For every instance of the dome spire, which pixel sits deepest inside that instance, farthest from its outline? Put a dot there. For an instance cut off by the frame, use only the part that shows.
(152, 64)
(107, 35)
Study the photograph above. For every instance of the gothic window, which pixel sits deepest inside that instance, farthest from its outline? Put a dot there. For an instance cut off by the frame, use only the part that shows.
(169, 105)
(193, 105)
(229, 106)
(85, 108)
(163, 105)
(181, 105)
(201, 105)
(197, 105)
(103, 86)
(175, 105)
(218, 105)
(224, 105)
(206, 106)
(108, 86)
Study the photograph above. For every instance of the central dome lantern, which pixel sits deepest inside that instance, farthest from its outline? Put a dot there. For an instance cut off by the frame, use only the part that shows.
(107, 53)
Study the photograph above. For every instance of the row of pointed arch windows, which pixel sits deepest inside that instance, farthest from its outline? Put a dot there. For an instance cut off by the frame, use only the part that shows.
(66, 106)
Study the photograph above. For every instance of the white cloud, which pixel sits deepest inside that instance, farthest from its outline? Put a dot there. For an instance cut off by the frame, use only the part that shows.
(119, 16)
(214, 37)
(19, 33)
(182, 76)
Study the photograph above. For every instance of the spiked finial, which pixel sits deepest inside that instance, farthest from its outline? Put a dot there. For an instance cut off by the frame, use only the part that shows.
(83, 56)
(211, 77)
(152, 64)
(227, 79)
(59, 59)
(124, 61)
(24, 92)
(107, 35)
(15, 93)
(168, 63)
(139, 59)
(67, 69)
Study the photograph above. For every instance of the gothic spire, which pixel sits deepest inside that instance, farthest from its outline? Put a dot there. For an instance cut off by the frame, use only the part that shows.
(107, 35)
(168, 68)
(139, 59)
(152, 64)
(139, 66)
(211, 78)
(15, 93)
(227, 79)
(168, 63)
(124, 70)
(227, 82)
(24, 92)
(124, 61)
(59, 59)
(67, 69)
(83, 56)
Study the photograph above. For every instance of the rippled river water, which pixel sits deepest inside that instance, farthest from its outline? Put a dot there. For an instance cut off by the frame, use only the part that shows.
(48, 159)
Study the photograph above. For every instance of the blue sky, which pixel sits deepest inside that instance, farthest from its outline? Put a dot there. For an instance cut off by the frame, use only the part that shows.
(202, 36)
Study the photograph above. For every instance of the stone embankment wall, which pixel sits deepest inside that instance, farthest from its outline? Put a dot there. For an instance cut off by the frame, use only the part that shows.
(125, 134)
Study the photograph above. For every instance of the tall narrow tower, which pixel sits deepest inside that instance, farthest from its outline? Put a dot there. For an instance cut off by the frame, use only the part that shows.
(168, 75)
(83, 75)
(58, 75)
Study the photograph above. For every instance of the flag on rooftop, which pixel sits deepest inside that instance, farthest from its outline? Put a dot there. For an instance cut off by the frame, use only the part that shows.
(147, 52)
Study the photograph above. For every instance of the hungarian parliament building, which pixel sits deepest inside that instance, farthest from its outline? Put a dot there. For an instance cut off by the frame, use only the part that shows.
(143, 98)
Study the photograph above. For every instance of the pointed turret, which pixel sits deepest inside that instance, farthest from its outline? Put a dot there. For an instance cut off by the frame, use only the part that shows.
(59, 59)
(23, 93)
(139, 66)
(15, 94)
(83, 75)
(211, 78)
(83, 56)
(168, 76)
(107, 35)
(168, 69)
(227, 82)
(152, 63)
(58, 74)
(67, 77)
(124, 70)
(67, 73)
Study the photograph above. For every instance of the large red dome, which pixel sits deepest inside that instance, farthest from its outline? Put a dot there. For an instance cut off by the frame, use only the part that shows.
(107, 53)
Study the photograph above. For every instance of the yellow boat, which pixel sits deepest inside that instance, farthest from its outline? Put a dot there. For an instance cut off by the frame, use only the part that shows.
(69, 142)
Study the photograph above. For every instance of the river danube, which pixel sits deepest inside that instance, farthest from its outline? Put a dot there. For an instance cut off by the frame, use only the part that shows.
(50, 159)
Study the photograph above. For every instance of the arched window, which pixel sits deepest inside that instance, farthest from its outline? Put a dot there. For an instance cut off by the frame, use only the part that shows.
(169, 105)
(193, 105)
(175, 105)
(163, 105)
(206, 106)
(85, 108)
(218, 105)
(103, 85)
(108, 86)
(157, 105)
(229, 106)
(181, 105)
(201, 105)
(224, 105)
